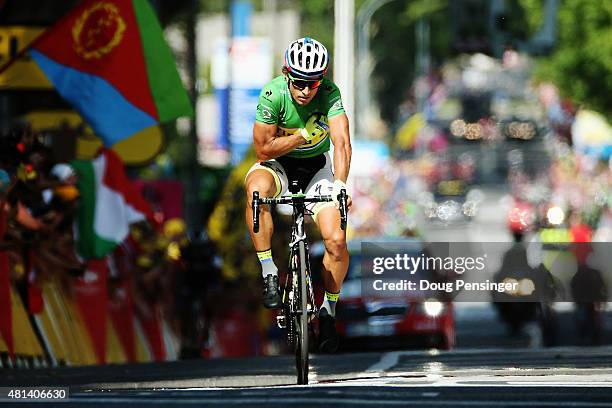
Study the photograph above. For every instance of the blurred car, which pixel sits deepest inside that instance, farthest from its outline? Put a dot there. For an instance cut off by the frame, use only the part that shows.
(451, 202)
(451, 196)
(397, 321)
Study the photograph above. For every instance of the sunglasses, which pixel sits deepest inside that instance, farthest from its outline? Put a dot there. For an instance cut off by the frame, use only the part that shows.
(301, 84)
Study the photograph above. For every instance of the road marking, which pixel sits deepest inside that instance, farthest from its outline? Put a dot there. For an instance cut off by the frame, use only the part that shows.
(334, 401)
(387, 361)
(312, 375)
(559, 384)
(390, 359)
(398, 379)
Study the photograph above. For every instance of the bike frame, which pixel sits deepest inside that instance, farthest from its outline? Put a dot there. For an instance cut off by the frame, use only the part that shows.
(296, 315)
(298, 234)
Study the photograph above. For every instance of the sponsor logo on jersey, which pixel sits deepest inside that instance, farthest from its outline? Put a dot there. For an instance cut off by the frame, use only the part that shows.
(321, 120)
(337, 105)
(266, 114)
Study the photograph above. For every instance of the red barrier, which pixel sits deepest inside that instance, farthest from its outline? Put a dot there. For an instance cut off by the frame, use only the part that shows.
(150, 319)
(90, 293)
(121, 310)
(6, 312)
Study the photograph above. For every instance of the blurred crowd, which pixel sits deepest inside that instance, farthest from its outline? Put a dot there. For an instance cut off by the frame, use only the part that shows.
(575, 191)
(160, 265)
(556, 162)
(38, 205)
(479, 119)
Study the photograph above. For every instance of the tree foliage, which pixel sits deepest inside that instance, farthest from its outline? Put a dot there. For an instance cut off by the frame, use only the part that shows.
(318, 20)
(534, 14)
(581, 65)
(393, 46)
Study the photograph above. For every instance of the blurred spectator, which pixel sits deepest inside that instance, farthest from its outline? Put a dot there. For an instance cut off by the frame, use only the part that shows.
(590, 293)
(40, 200)
(527, 307)
(195, 284)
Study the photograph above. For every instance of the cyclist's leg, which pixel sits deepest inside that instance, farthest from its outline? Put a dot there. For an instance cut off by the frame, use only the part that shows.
(336, 256)
(263, 182)
(335, 266)
(327, 217)
(266, 178)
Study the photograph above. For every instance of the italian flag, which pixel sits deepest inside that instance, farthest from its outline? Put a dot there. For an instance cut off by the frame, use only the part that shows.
(109, 204)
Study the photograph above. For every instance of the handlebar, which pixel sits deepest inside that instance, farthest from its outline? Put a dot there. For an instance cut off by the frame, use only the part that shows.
(342, 200)
(343, 207)
(255, 207)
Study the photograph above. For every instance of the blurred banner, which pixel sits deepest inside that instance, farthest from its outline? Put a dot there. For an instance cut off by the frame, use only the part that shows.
(23, 73)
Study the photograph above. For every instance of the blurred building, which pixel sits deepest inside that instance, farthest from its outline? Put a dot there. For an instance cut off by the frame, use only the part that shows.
(268, 34)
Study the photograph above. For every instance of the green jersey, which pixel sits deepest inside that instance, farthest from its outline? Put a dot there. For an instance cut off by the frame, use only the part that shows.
(277, 107)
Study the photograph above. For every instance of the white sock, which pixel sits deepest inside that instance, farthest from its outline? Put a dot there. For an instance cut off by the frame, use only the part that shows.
(267, 263)
(329, 303)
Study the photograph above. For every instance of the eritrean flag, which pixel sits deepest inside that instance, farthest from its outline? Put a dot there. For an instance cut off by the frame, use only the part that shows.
(109, 59)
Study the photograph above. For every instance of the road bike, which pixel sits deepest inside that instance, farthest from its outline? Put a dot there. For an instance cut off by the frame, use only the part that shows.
(297, 296)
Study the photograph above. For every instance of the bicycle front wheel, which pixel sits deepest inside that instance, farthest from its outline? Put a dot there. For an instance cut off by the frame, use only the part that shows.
(301, 320)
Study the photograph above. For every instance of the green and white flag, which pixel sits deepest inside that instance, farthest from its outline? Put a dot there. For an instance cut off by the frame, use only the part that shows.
(109, 204)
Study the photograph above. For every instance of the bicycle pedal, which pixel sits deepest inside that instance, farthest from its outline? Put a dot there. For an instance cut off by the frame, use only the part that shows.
(281, 322)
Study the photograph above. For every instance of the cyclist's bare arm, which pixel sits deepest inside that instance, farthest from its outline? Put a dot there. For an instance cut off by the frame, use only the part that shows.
(268, 146)
(339, 134)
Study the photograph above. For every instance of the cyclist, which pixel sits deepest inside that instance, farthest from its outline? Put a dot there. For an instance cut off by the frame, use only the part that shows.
(299, 113)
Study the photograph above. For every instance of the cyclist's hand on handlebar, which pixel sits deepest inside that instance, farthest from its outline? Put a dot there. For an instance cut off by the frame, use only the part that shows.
(349, 202)
(339, 185)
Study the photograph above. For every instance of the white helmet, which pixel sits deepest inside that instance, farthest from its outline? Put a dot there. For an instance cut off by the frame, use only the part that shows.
(306, 59)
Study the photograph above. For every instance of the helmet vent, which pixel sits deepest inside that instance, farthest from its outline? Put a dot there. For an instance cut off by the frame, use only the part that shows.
(307, 58)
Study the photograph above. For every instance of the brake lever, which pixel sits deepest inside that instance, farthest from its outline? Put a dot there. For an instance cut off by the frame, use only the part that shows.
(255, 208)
(342, 200)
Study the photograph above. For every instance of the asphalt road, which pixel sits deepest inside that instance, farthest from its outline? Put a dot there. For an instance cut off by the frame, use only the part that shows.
(562, 377)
